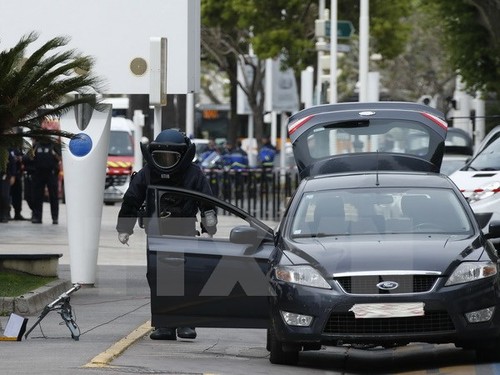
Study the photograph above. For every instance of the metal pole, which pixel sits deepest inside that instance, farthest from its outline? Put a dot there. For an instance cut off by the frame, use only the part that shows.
(364, 35)
(480, 120)
(190, 115)
(138, 125)
(321, 15)
(333, 51)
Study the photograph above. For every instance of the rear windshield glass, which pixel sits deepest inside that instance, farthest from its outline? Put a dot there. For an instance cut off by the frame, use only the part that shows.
(405, 137)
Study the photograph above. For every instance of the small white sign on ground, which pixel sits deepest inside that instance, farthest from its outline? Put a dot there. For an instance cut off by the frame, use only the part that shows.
(117, 34)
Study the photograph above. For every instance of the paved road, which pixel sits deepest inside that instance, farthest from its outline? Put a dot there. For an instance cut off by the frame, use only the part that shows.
(113, 318)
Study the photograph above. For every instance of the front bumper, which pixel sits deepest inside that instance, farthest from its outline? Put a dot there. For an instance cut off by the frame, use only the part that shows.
(116, 186)
(333, 324)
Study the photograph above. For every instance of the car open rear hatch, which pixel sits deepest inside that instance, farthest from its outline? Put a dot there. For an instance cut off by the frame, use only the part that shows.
(348, 137)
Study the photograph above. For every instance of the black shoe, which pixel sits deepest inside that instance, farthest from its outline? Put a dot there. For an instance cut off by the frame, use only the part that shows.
(4, 220)
(186, 332)
(55, 222)
(19, 217)
(36, 221)
(163, 334)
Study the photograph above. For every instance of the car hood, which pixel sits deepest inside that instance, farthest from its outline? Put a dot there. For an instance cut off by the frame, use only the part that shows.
(375, 253)
(468, 181)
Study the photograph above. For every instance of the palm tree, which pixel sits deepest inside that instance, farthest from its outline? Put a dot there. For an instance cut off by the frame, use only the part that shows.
(47, 83)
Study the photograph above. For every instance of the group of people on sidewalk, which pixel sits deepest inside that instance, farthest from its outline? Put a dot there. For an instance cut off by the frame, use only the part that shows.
(234, 157)
(31, 176)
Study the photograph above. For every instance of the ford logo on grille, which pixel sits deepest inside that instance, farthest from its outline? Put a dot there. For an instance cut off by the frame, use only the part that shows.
(387, 285)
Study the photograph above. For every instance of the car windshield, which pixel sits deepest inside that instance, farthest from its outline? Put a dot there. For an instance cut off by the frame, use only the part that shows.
(120, 144)
(379, 211)
(488, 159)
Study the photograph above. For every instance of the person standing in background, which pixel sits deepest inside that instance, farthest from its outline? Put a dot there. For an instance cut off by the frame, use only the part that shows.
(16, 190)
(46, 165)
(267, 153)
(7, 179)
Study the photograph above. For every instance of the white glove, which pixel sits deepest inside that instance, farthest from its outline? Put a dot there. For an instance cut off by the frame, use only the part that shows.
(123, 238)
(206, 235)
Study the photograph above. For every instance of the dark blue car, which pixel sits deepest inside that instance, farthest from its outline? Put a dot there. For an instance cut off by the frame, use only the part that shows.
(376, 247)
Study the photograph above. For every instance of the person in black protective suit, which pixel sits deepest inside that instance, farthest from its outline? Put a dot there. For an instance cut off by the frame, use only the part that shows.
(169, 161)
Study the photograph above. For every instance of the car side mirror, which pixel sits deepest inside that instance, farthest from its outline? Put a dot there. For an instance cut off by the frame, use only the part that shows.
(494, 229)
(243, 234)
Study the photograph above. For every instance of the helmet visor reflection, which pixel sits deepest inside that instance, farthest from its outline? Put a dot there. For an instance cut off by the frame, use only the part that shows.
(165, 159)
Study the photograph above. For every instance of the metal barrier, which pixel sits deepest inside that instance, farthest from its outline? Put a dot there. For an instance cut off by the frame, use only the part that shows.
(261, 192)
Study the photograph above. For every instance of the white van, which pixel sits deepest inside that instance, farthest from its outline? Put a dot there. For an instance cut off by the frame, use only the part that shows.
(120, 161)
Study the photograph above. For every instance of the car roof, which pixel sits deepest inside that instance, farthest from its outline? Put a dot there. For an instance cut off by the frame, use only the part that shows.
(368, 179)
(350, 121)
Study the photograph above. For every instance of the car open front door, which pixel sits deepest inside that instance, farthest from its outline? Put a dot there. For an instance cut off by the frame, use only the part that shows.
(206, 282)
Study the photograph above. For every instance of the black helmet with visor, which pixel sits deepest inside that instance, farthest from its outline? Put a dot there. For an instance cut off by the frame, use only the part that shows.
(170, 152)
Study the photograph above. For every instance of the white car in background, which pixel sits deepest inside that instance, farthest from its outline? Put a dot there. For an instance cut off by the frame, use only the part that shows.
(479, 179)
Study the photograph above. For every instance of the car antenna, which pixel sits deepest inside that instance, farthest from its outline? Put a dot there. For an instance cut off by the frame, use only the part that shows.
(377, 183)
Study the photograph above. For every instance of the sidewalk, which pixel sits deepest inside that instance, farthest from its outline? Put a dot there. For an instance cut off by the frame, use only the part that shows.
(105, 313)
(111, 315)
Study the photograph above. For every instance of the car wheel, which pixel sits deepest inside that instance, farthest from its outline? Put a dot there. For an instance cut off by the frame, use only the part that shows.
(277, 355)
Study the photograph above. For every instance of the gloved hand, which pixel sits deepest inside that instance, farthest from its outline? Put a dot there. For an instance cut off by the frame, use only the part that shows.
(206, 235)
(209, 221)
(123, 238)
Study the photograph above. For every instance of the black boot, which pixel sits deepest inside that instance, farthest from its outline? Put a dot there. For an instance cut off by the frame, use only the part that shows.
(163, 334)
(186, 332)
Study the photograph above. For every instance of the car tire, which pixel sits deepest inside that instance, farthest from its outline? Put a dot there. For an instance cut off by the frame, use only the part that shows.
(277, 355)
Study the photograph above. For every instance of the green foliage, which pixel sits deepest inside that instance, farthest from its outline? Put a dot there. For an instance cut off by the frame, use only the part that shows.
(48, 79)
(389, 29)
(470, 37)
(279, 28)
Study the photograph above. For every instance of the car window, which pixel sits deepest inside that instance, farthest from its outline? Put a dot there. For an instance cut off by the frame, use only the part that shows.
(489, 158)
(455, 139)
(405, 137)
(175, 213)
(379, 211)
(120, 143)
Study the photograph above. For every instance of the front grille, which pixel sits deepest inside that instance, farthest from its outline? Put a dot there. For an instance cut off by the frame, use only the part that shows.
(346, 323)
(367, 284)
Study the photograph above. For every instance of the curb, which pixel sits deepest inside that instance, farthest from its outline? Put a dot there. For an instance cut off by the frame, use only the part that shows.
(33, 302)
(105, 358)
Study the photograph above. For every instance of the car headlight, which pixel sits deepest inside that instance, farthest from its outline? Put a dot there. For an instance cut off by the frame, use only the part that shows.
(303, 275)
(485, 191)
(471, 271)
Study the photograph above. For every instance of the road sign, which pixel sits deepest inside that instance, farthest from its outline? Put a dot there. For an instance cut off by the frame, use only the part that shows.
(345, 29)
(323, 46)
